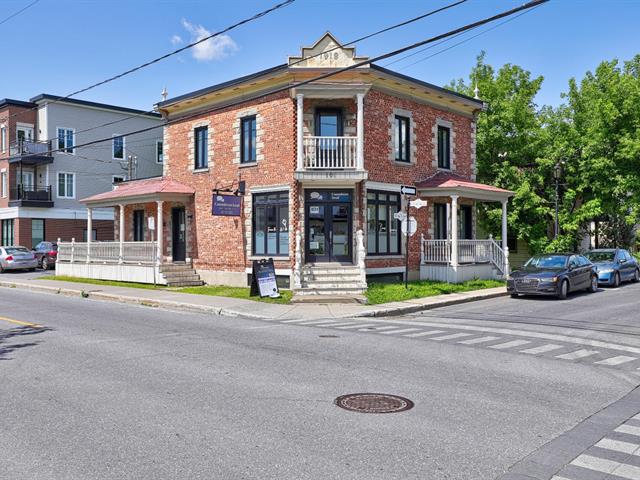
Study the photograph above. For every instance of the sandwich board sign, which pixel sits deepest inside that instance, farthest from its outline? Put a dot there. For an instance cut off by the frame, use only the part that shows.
(264, 279)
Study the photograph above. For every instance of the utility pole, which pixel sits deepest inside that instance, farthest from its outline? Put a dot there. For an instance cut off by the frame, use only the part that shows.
(132, 161)
(557, 173)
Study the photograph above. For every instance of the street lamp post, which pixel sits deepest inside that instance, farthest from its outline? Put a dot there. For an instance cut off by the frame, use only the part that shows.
(557, 173)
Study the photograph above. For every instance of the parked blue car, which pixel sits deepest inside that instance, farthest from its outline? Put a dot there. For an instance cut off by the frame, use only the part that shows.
(614, 266)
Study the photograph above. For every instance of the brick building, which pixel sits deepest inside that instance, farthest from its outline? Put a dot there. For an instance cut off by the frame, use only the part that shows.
(317, 170)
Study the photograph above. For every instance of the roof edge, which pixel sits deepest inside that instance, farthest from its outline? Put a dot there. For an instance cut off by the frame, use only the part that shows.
(87, 103)
(17, 103)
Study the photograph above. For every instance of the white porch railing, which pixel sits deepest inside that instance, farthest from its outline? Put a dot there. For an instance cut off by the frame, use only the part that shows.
(139, 253)
(330, 153)
(469, 251)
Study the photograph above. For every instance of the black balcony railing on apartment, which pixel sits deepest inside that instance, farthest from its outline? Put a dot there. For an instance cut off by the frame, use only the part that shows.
(29, 147)
(32, 193)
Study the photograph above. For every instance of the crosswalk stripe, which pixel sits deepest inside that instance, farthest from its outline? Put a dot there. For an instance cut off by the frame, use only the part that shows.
(318, 322)
(577, 354)
(424, 334)
(403, 330)
(619, 360)
(513, 343)
(556, 477)
(452, 336)
(618, 446)
(338, 324)
(377, 329)
(630, 429)
(607, 466)
(473, 341)
(293, 321)
(541, 349)
(362, 325)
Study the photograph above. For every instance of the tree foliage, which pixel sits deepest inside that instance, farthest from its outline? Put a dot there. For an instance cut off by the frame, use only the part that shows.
(594, 137)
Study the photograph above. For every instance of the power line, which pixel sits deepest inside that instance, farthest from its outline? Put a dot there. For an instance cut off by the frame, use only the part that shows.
(365, 37)
(384, 56)
(18, 12)
(165, 56)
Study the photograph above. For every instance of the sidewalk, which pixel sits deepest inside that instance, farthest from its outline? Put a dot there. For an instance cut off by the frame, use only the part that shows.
(239, 307)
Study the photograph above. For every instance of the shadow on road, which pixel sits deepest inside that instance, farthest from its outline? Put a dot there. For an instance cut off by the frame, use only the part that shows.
(15, 333)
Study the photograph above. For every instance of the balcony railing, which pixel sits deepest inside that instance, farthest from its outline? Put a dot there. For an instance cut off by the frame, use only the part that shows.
(137, 253)
(469, 251)
(330, 153)
(29, 147)
(32, 193)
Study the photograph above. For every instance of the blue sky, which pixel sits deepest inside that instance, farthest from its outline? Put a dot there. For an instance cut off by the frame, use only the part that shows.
(58, 46)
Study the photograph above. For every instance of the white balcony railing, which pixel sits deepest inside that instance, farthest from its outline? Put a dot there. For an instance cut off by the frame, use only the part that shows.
(140, 253)
(330, 153)
(469, 251)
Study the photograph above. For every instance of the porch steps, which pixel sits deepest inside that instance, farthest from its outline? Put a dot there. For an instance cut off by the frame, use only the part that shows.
(180, 275)
(330, 283)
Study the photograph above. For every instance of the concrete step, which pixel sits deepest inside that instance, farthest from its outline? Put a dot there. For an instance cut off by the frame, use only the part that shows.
(175, 267)
(331, 277)
(330, 271)
(186, 283)
(341, 291)
(331, 285)
(329, 299)
(187, 273)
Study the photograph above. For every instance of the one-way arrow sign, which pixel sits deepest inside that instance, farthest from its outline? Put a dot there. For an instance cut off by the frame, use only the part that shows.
(407, 190)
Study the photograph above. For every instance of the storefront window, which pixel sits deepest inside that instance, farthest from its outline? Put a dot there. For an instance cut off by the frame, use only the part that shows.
(271, 224)
(383, 236)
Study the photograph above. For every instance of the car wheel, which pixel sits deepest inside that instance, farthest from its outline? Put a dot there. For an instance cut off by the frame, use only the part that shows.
(44, 263)
(563, 291)
(593, 287)
(616, 280)
(31, 269)
(636, 276)
(514, 295)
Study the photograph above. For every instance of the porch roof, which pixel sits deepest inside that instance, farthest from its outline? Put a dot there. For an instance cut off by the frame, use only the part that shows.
(139, 191)
(446, 183)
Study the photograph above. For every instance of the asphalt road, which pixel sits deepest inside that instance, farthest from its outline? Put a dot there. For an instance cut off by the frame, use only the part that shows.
(109, 391)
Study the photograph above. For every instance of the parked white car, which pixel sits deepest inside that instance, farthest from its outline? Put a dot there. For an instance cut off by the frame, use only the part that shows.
(17, 258)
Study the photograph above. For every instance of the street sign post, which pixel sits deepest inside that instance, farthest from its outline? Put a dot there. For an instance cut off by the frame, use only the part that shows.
(407, 190)
(413, 226)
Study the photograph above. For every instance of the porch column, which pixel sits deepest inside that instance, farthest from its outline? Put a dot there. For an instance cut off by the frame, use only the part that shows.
(360, 132)
(299, 130)
(160, 231)
(454, 230)
(121, 235)
(505, 247)
(89, 230)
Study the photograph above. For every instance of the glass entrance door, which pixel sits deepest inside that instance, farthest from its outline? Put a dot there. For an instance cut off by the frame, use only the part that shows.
(328, 232)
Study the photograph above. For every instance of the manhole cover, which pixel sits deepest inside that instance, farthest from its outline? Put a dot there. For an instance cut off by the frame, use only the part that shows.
(374, 403)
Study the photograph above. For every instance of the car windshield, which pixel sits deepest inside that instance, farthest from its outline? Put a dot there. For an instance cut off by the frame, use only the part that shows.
(547, 261)
(601, 256)
(14, 250)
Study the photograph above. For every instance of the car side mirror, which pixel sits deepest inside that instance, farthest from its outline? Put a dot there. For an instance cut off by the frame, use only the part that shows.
(622, 260)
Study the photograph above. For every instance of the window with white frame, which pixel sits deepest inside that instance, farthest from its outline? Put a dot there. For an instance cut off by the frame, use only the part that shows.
(3, 184)
(66, 140)
(116, 179)
(118, 147)
(66, 185)
(3, 139)
(159, 151)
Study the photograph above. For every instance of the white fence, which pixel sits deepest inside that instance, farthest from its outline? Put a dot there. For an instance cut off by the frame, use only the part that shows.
(137, 253)
(330, 153)
(469, 251)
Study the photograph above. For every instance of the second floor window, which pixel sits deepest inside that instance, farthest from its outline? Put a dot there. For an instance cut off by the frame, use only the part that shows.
(66, 185)
(402, 139)
(118, 147)
(159, 151)
(248, 139)
(444, 147)
(66, 140)
(3, 139)
(3, 184)
(201, 153)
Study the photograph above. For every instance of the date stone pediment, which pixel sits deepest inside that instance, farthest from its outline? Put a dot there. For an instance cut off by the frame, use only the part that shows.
(326, 52)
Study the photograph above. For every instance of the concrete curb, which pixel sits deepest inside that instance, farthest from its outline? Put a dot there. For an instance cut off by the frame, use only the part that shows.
(444, 302)
(229, 312)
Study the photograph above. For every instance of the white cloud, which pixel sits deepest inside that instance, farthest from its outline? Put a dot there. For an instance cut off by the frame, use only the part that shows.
(176, 40)
(215, 48)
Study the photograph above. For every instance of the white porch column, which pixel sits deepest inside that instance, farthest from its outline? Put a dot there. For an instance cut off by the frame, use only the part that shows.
(505, 247)
(360, 132)
(121, 235)
(454, 230)
(299, 129)
(160, 231)
(89, 231)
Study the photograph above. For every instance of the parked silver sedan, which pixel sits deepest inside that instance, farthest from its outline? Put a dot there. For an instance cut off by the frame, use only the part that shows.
(17, 258)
